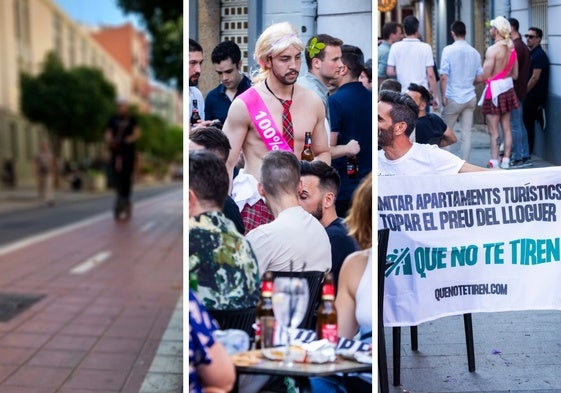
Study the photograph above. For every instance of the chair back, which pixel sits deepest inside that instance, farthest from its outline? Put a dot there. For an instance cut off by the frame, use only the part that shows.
(383, 237)
(241, 319)
(315, 281)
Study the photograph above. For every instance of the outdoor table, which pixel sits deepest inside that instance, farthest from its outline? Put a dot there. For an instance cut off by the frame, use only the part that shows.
(299, 371)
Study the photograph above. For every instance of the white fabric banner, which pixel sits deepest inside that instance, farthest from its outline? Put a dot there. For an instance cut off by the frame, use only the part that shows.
(475, 242)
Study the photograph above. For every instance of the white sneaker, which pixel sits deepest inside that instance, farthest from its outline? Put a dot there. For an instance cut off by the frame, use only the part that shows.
(505, 163)
(493, 164)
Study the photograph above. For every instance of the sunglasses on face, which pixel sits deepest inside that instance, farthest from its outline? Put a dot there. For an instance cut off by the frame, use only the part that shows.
(530, 36)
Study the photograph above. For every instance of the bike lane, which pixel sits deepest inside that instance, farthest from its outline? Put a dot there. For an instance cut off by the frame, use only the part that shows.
(109, 291)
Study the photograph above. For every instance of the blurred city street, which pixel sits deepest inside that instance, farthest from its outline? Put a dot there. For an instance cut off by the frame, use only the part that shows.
(107, 311)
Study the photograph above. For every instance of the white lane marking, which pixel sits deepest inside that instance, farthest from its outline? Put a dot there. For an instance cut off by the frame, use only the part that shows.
(55, 232)
(146, 227)
(47, 235)
(90, 263)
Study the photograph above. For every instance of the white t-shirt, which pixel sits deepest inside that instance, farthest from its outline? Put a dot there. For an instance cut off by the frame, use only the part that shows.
(294, 235)
(411, 57)
(421, 159)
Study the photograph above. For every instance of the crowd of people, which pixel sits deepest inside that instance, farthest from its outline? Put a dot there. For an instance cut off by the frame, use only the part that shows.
(255, 206)
(514, 74)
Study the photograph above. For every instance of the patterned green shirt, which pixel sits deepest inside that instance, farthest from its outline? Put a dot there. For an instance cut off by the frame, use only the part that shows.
(222, 263)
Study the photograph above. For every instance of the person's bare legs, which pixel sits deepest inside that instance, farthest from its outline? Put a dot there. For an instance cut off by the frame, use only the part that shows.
(507, 134)
(493, 129)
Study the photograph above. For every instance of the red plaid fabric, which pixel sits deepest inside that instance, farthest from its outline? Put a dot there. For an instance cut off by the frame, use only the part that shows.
(507, 103)
(287, 129)
(256, 215)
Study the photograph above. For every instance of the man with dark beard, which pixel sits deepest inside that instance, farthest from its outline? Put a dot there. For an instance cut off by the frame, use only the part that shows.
(274, 114)
(320, 185)
(397, 115)
(196, 100)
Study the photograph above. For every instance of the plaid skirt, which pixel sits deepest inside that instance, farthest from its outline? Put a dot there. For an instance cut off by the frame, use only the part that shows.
(256, 215)
(507, 102)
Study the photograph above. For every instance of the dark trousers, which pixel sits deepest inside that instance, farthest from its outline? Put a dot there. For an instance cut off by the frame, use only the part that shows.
(122, 176)
(529, 116)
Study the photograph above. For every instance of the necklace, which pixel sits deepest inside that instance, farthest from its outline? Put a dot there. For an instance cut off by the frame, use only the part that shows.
(274, 95)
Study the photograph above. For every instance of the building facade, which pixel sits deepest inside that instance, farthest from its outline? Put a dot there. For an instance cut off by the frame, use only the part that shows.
(131, 49)
(211, 22)
(29, 29)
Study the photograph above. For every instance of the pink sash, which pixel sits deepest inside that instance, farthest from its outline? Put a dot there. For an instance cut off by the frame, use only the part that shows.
(263, 121)
(500, 75)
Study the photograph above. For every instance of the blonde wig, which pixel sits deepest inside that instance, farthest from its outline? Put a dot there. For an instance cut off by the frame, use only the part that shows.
(503, 27)
(275, 39)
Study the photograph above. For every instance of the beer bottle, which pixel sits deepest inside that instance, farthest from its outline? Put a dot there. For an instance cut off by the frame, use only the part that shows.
(264, 305)
(307, 153)
(352, 167)
(327, 315)
(195, 116)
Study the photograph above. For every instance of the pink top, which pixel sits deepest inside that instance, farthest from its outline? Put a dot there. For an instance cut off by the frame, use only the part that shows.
(500, 75)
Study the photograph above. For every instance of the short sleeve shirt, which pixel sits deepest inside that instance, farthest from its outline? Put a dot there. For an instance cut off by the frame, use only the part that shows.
(222, 262)
(421, 159)
(411, 57)
(539, 60)
(201, 327)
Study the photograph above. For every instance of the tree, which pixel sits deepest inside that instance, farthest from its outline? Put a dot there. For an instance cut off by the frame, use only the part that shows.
(159, 140)
(71, 103)
(164, 22)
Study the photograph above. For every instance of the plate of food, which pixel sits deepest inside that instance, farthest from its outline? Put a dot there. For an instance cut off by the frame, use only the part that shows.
(298, 354)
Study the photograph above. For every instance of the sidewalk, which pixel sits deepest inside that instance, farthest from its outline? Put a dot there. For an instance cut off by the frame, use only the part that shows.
(110, 319)
(27, 196)
(480, 152)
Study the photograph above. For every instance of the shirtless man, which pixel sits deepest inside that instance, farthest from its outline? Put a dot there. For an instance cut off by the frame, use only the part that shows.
(279, 54)
(499, 99)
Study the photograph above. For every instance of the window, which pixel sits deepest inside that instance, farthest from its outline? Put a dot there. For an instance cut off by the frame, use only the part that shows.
(57, 34)
(538, 17)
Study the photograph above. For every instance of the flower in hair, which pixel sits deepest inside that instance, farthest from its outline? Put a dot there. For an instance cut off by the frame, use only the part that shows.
(315, 47)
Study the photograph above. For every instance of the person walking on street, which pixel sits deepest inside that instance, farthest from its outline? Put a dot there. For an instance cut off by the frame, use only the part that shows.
(121, 134)
(499, 98)
(460, 65)
(520, 149)
(538, 85)
(411, 61)
(391, 32)
(45, 170)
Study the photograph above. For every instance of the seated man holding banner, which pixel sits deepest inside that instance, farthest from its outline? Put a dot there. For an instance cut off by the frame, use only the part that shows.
(397, 115)
(274, 114)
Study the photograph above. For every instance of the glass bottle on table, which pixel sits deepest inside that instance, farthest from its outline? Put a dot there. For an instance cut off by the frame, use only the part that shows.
(327, 314)
(307, 153)
(264, 315)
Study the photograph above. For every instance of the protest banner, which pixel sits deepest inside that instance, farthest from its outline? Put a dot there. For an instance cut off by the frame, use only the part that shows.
(473, 242)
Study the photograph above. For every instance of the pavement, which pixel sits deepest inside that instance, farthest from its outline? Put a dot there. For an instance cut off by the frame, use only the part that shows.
(480, 152)
(116, 328)
(514, 351)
